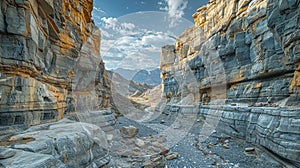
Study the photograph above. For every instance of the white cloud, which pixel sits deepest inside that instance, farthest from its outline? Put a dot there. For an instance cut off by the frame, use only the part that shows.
(98, 10)
(158, 38)
(134, 43)
(114, 24)
(175, 9)
(110, 23)
(139, 51)
(128, 26)
(105, 34)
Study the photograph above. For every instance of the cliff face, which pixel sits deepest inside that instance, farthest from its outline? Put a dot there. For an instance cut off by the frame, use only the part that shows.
(45, 46)
(50, 65)
(246, 53)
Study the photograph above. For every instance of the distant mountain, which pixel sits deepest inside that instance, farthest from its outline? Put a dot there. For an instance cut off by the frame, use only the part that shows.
(126, 73)
(125, 87)
(151, 77)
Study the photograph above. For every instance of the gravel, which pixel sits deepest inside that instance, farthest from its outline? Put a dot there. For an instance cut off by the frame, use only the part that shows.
(216, 151)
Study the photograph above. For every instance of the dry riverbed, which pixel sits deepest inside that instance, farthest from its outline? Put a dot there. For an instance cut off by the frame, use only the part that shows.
(146, 148)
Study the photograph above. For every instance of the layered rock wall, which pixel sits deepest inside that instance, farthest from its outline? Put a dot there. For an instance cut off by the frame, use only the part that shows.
(41, 44)
(246, 53)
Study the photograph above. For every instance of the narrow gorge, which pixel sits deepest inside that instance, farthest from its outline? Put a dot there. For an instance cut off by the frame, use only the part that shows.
(229, 95)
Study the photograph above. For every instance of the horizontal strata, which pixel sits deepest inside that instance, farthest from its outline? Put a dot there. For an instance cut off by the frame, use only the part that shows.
(46, 49)
(246, 53)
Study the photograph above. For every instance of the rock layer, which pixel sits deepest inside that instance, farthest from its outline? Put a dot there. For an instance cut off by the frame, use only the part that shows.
(244, 53)
(61, 144)
(41, 43)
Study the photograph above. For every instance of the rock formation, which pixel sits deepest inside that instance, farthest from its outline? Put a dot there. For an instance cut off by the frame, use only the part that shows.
(246, 54)
(50, 66)
(45, 47)
(61, 144)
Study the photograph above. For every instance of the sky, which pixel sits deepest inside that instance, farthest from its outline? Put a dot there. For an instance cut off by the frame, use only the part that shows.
(133, 31)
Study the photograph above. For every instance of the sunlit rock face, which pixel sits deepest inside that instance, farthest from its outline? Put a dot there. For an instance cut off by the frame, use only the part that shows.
(41, 42)
(250, 50)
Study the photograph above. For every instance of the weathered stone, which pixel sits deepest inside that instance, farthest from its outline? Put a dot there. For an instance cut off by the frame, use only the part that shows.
(67, 143)
(6, 153)
(255, 44)
(139, 142)
(172, 156)
(43, 52)
(250, 149)
(129, 132)
(29, 159)
(158, 162)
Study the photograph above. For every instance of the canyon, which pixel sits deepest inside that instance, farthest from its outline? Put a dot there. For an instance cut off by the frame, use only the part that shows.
(238, 68)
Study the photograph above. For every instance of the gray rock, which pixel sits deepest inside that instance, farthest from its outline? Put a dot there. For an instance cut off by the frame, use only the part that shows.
(129, 132)
(255, 45)
(29, 159)
(6, 153)
(65, 143)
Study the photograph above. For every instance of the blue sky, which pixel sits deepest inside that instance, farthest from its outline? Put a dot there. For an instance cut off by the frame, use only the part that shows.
(133, 31)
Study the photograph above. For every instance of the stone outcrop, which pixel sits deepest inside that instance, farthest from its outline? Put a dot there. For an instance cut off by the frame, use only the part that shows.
(61, 144)
(50, 68)
(246, 54)
(46, 47)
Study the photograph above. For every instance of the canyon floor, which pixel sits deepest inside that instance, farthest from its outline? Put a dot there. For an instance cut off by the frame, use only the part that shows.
(149, 147)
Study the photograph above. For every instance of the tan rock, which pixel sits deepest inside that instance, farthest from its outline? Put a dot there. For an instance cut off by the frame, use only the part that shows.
(172, 156)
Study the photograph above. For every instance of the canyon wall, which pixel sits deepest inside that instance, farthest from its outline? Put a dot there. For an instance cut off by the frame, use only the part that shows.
(244, 55)
(46, 47)
(50, 68)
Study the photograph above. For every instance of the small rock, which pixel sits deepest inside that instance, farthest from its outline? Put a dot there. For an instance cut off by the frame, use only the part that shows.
(139, 142)
(13, 139)
(209, 145)
(129, 132)
(157, 159)
(109, 137)
(155, 162)
(162, 121)
(250, 149)
(226, 141)
(6, 153)
(236, 165)
(28, 138)
(225, 146)
(164, 152)
(200, 119)
(172, 156)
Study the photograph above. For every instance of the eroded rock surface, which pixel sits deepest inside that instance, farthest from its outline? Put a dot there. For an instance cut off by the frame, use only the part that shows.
(50, 67)
(245, 54)
(61, 144)
(46, 48)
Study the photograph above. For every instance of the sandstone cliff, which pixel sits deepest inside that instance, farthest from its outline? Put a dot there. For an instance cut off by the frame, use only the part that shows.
(246, 54)
(46, 49)
(50, 65)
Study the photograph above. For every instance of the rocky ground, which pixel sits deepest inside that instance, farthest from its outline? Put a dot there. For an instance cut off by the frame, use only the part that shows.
(147, 147)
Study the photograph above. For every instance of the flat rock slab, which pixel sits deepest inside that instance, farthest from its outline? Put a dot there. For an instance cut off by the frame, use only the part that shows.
(61, 144)
(30, 159)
